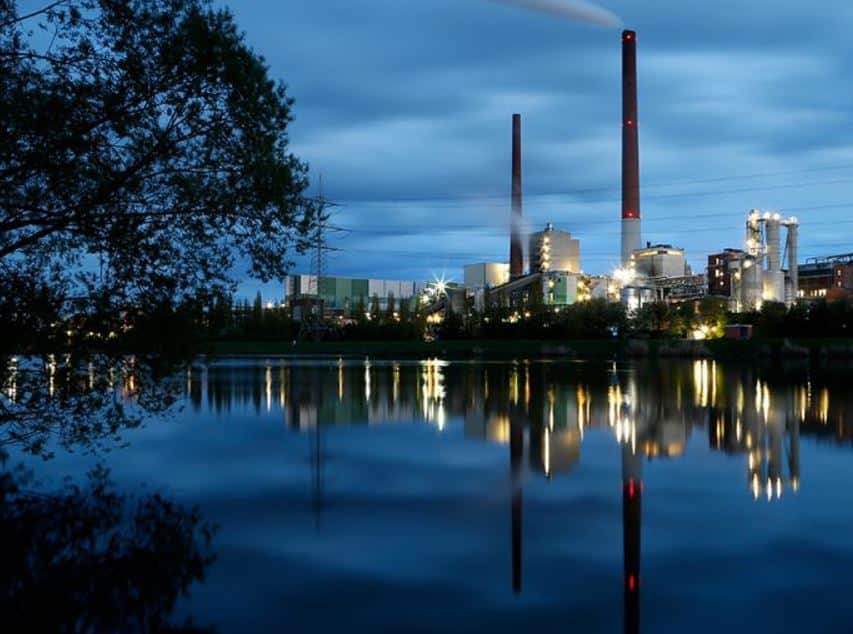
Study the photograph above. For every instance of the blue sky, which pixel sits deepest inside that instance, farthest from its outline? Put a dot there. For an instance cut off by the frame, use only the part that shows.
(404, 108)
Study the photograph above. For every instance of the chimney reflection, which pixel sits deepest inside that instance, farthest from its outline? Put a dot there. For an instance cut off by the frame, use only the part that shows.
(742, 409)
(632, 494)
(516, 452)
(543, 412)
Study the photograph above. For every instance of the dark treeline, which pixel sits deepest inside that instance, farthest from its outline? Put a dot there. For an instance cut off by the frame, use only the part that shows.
(820, 319)
(190, 325)
(223, 319)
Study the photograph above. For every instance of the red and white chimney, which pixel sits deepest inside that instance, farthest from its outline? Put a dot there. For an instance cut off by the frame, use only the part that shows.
(631, 239)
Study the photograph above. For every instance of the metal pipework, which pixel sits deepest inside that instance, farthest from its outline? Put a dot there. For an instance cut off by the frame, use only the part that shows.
(774, 243)
(793, 267)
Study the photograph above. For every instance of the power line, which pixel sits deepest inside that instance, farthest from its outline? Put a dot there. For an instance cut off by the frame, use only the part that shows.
(502, 199)
(472, 256)
(408, 228)
(488, 232)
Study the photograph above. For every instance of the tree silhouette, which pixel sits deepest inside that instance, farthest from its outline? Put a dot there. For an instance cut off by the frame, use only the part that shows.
(143, 149)
(90, 559)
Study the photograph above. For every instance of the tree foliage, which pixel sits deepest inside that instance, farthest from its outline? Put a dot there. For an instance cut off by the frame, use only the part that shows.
(143, 153)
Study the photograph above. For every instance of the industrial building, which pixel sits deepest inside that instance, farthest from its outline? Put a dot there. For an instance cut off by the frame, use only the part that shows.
(597, 287)
(721, 267)
(758, 274)
(826, 277)
(559, 288)
(485, 275)
(635, 296)
(764, 242)
(342, 294)
(660, 260)
(659, 273)
(553, 250)
(553, 258)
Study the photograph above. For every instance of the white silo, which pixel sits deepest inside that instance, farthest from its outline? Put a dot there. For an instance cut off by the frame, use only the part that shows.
(774, 278)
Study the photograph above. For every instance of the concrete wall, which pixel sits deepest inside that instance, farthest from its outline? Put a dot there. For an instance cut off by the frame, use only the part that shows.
(486, 274)
(660, 262)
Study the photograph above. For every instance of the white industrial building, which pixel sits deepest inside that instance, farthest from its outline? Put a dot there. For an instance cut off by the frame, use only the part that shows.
(660, 260)
(485, 275)
(553, 250)
(764, 272)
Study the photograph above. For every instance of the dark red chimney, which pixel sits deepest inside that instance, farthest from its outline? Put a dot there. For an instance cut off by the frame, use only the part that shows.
(630, 149)
(516, 259)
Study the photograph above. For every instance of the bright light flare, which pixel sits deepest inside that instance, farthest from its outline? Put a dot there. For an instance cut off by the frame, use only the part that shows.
(624, 276)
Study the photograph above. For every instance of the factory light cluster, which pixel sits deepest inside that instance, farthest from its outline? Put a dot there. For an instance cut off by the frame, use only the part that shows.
(746, 278)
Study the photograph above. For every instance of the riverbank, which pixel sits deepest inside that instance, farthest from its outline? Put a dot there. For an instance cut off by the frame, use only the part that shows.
(722, 349)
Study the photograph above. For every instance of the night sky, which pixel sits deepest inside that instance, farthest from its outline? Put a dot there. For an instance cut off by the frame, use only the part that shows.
(404, 108)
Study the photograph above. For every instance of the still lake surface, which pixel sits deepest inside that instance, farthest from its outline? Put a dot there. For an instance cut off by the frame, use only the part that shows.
(358, 495)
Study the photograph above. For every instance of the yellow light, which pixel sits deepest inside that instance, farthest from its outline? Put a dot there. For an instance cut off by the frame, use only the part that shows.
(268, 387)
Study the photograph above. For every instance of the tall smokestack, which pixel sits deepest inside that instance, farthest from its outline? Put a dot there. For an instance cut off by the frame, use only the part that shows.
(516, 259)
(630, 149)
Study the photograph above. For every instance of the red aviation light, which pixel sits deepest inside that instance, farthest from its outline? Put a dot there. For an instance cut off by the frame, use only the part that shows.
(629, 122)
(633, 488)
(632, 583)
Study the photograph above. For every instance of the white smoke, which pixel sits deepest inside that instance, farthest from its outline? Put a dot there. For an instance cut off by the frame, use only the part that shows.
(571, 9)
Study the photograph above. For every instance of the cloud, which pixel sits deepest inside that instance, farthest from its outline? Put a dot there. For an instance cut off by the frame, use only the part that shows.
(405, 110)
(571, 9)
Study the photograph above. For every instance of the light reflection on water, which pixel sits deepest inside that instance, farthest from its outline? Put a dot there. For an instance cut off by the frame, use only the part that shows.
(653, 410)
(543, 412)
(435, 496)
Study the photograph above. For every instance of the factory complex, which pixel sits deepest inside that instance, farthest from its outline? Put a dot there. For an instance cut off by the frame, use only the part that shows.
(548, 272)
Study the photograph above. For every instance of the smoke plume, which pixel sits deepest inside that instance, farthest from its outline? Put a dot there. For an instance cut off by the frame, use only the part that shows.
(571, 9)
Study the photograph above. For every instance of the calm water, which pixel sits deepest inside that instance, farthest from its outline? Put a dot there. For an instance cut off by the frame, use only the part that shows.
(504, 497)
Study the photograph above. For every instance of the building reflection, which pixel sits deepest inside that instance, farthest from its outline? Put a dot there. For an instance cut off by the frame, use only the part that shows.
(542, 412)
(653, 410)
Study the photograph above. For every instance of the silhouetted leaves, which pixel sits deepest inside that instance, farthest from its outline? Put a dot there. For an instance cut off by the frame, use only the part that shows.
(143, 150)
(87, 558)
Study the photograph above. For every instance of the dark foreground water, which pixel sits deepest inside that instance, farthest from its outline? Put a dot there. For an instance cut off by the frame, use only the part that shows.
(361, 496)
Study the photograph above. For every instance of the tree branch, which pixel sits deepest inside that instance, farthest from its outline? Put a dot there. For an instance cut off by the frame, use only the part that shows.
(22, 18)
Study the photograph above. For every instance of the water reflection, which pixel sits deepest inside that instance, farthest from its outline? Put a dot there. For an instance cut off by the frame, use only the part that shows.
(91, 559)
(652, 410)
(543, 411)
